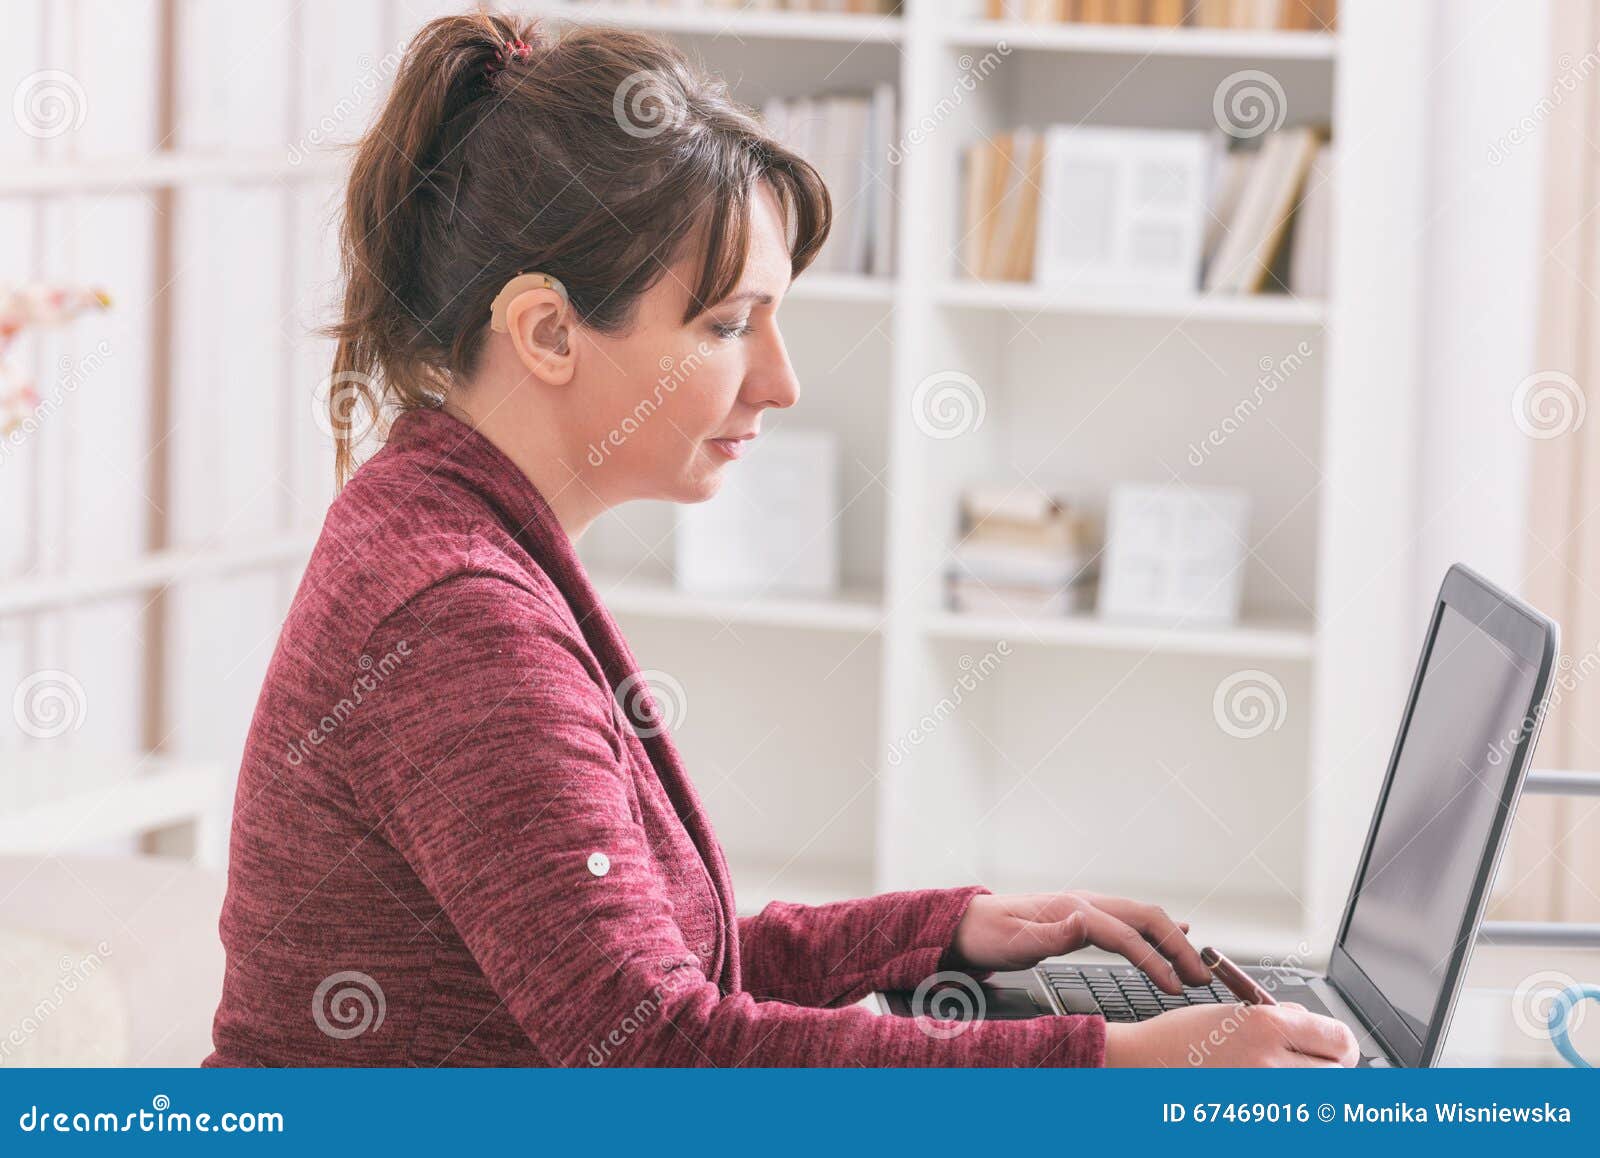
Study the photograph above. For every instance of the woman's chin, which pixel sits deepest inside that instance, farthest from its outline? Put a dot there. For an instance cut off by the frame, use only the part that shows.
(698, 486)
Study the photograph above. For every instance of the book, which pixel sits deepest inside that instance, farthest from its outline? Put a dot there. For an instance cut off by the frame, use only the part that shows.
(1000, 563)
(1308, 248)
(1167, 13)
(1230, 173)
(847, 137)
(979, 161)
(974, 597)
(989, 177)
(1257, 226)
(885, 126)
(842, 124)
(1008, 223)
(1025, 239)
(1026, 504)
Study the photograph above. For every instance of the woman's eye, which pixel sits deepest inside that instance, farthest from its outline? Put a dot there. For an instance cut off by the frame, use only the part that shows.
(732, 330)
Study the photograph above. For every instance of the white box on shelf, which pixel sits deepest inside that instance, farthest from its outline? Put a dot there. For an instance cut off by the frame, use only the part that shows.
(1122, 208)
(1174, 553)
(773, 527)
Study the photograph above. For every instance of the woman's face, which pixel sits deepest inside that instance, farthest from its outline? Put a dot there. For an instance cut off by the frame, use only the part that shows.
(668, 407)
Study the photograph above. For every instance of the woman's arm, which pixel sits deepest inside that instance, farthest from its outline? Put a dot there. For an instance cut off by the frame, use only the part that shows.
(490, 761)
(826, 955)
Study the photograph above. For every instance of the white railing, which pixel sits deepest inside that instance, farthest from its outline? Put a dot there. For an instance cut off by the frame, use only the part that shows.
(1549, 934)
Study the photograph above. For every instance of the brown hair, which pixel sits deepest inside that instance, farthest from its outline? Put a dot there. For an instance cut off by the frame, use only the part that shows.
(595, 155)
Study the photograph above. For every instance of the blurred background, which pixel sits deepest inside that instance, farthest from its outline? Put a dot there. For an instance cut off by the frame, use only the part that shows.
(1164, 356)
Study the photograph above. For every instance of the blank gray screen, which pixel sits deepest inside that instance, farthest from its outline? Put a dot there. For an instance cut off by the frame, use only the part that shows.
(1452, 770)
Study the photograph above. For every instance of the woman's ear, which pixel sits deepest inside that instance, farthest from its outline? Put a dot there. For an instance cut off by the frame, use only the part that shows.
(541, 324)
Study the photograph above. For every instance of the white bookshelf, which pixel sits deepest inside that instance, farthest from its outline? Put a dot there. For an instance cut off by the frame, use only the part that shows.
(1271, 309)
(1140, 41)
(729, 23)
(1083, 718)
(852, 610)
(1090, 757)
(1259, 640)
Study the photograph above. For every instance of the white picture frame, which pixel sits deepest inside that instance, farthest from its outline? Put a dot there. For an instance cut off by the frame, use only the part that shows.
(1122, 209)
(1174, 554)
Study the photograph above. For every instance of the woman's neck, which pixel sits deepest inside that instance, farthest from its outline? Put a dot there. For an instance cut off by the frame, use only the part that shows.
(541, 461)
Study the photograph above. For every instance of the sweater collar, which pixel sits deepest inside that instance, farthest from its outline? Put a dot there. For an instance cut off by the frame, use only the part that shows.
(449, 449)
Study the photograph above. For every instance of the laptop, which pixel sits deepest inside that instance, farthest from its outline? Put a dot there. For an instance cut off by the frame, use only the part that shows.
(1466, 737)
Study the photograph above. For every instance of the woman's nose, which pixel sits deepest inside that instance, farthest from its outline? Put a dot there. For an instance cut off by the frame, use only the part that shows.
(775, 384)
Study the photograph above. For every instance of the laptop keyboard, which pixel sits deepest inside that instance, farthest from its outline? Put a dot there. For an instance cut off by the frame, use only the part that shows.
(1123, 993)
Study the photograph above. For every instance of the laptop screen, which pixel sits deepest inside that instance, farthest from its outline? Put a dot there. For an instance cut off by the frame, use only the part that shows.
(1438, 817)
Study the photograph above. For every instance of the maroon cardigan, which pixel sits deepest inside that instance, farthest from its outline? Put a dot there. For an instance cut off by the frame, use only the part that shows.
(451, 846)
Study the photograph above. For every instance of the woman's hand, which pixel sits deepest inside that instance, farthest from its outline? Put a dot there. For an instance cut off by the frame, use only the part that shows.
(1019, 932)
(1286, 1034)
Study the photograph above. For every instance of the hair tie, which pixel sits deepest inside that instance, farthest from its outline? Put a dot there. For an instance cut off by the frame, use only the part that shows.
(517, 50)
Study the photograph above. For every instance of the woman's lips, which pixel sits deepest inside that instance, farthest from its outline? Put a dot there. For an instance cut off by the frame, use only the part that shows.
(729, 447)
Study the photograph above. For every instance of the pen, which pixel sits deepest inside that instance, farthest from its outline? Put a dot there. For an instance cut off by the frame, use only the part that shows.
(1240, 983)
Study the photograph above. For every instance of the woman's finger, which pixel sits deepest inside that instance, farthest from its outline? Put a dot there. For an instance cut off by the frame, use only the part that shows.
(1162, 932)
(1109, 933)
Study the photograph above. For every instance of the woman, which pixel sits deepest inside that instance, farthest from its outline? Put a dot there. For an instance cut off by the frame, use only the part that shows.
(452, 844)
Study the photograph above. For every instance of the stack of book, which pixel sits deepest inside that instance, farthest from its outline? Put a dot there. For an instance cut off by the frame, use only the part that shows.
(849, 138)
(1287, 15)
(1021, 552)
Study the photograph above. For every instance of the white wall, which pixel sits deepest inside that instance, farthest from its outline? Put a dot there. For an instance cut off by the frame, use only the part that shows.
(1482, 251)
